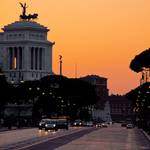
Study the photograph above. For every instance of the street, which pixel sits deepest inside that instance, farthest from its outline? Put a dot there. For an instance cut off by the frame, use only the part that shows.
(114, 137)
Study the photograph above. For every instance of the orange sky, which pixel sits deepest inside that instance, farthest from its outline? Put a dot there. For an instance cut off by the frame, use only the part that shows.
(100, 36)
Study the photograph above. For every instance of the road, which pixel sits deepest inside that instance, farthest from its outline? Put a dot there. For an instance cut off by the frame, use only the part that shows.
(19, 139)
(114, 137)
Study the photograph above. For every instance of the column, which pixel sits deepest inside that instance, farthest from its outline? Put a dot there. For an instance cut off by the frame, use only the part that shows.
(18, 59)
(17, 63)
(8, 58)
(38, 58)
(28, 57)
(43, 59)
(13, 55)
(23, 58)
(33, 58)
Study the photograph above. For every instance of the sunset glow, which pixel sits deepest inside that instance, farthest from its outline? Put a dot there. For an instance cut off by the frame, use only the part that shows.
(94, 36)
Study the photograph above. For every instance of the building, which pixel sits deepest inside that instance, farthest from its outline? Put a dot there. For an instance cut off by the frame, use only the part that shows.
(104, 114)
(100, 84)
(25, 51)
(25, 54)
(120, 108)
(102, 110)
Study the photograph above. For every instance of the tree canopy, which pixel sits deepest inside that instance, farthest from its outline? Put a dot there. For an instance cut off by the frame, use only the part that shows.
(141, 61)
(56, 94)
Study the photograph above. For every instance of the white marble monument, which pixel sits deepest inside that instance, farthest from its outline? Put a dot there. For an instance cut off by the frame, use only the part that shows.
(25, 51)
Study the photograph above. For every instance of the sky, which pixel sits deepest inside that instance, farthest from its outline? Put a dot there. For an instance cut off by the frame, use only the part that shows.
(98, 37)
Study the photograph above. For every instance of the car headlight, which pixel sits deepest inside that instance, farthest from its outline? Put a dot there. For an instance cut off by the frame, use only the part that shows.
(46, 125)
(54, 125)
(74, 123)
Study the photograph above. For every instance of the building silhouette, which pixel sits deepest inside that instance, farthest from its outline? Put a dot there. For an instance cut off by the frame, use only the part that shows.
(120, 108)
(100, 84)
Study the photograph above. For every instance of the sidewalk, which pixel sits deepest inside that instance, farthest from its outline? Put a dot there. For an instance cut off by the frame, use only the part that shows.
(2, 129)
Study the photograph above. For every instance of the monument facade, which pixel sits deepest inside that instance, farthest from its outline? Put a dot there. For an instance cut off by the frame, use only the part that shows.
(25, 51)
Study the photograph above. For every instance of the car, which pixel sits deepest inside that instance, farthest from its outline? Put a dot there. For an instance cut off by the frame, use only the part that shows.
(89, 124)
(51, 124)
(129, 126)
(98, 125)
(78, 122)
(62, 124)
(105, 125)
(42, 123)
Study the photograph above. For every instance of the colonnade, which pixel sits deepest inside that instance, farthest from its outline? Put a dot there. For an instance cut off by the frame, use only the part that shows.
(16, 60)
(37, 58)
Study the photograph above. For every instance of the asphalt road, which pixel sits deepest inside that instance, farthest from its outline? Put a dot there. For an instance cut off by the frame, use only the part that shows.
(114, 137)
(53, 143)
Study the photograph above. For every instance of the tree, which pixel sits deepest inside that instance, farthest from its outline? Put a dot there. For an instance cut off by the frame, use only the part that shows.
(140, 95)
(64, 96)
(141, 61)
(4, 93)
(141, 64)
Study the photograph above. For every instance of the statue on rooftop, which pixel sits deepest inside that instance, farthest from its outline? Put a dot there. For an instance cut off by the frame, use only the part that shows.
(23, 16)
(24, 6)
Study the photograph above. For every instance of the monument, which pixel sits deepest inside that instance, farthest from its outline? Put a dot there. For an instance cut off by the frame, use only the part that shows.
(25, 50)
(27, 17)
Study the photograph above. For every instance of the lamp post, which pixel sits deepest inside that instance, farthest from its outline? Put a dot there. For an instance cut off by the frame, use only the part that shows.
(60, 61)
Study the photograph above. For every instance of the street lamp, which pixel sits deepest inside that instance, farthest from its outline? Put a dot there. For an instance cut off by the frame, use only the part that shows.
(60, 60)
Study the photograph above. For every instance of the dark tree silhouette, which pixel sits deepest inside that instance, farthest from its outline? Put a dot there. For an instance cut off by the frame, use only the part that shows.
(64, 96)
(140, 95)
(141, 61)
(5, 93)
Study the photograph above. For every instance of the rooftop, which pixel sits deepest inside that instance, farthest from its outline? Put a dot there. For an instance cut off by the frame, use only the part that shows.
(25, 25)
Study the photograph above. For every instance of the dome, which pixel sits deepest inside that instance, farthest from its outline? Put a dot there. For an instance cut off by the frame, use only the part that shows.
(25, 25)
